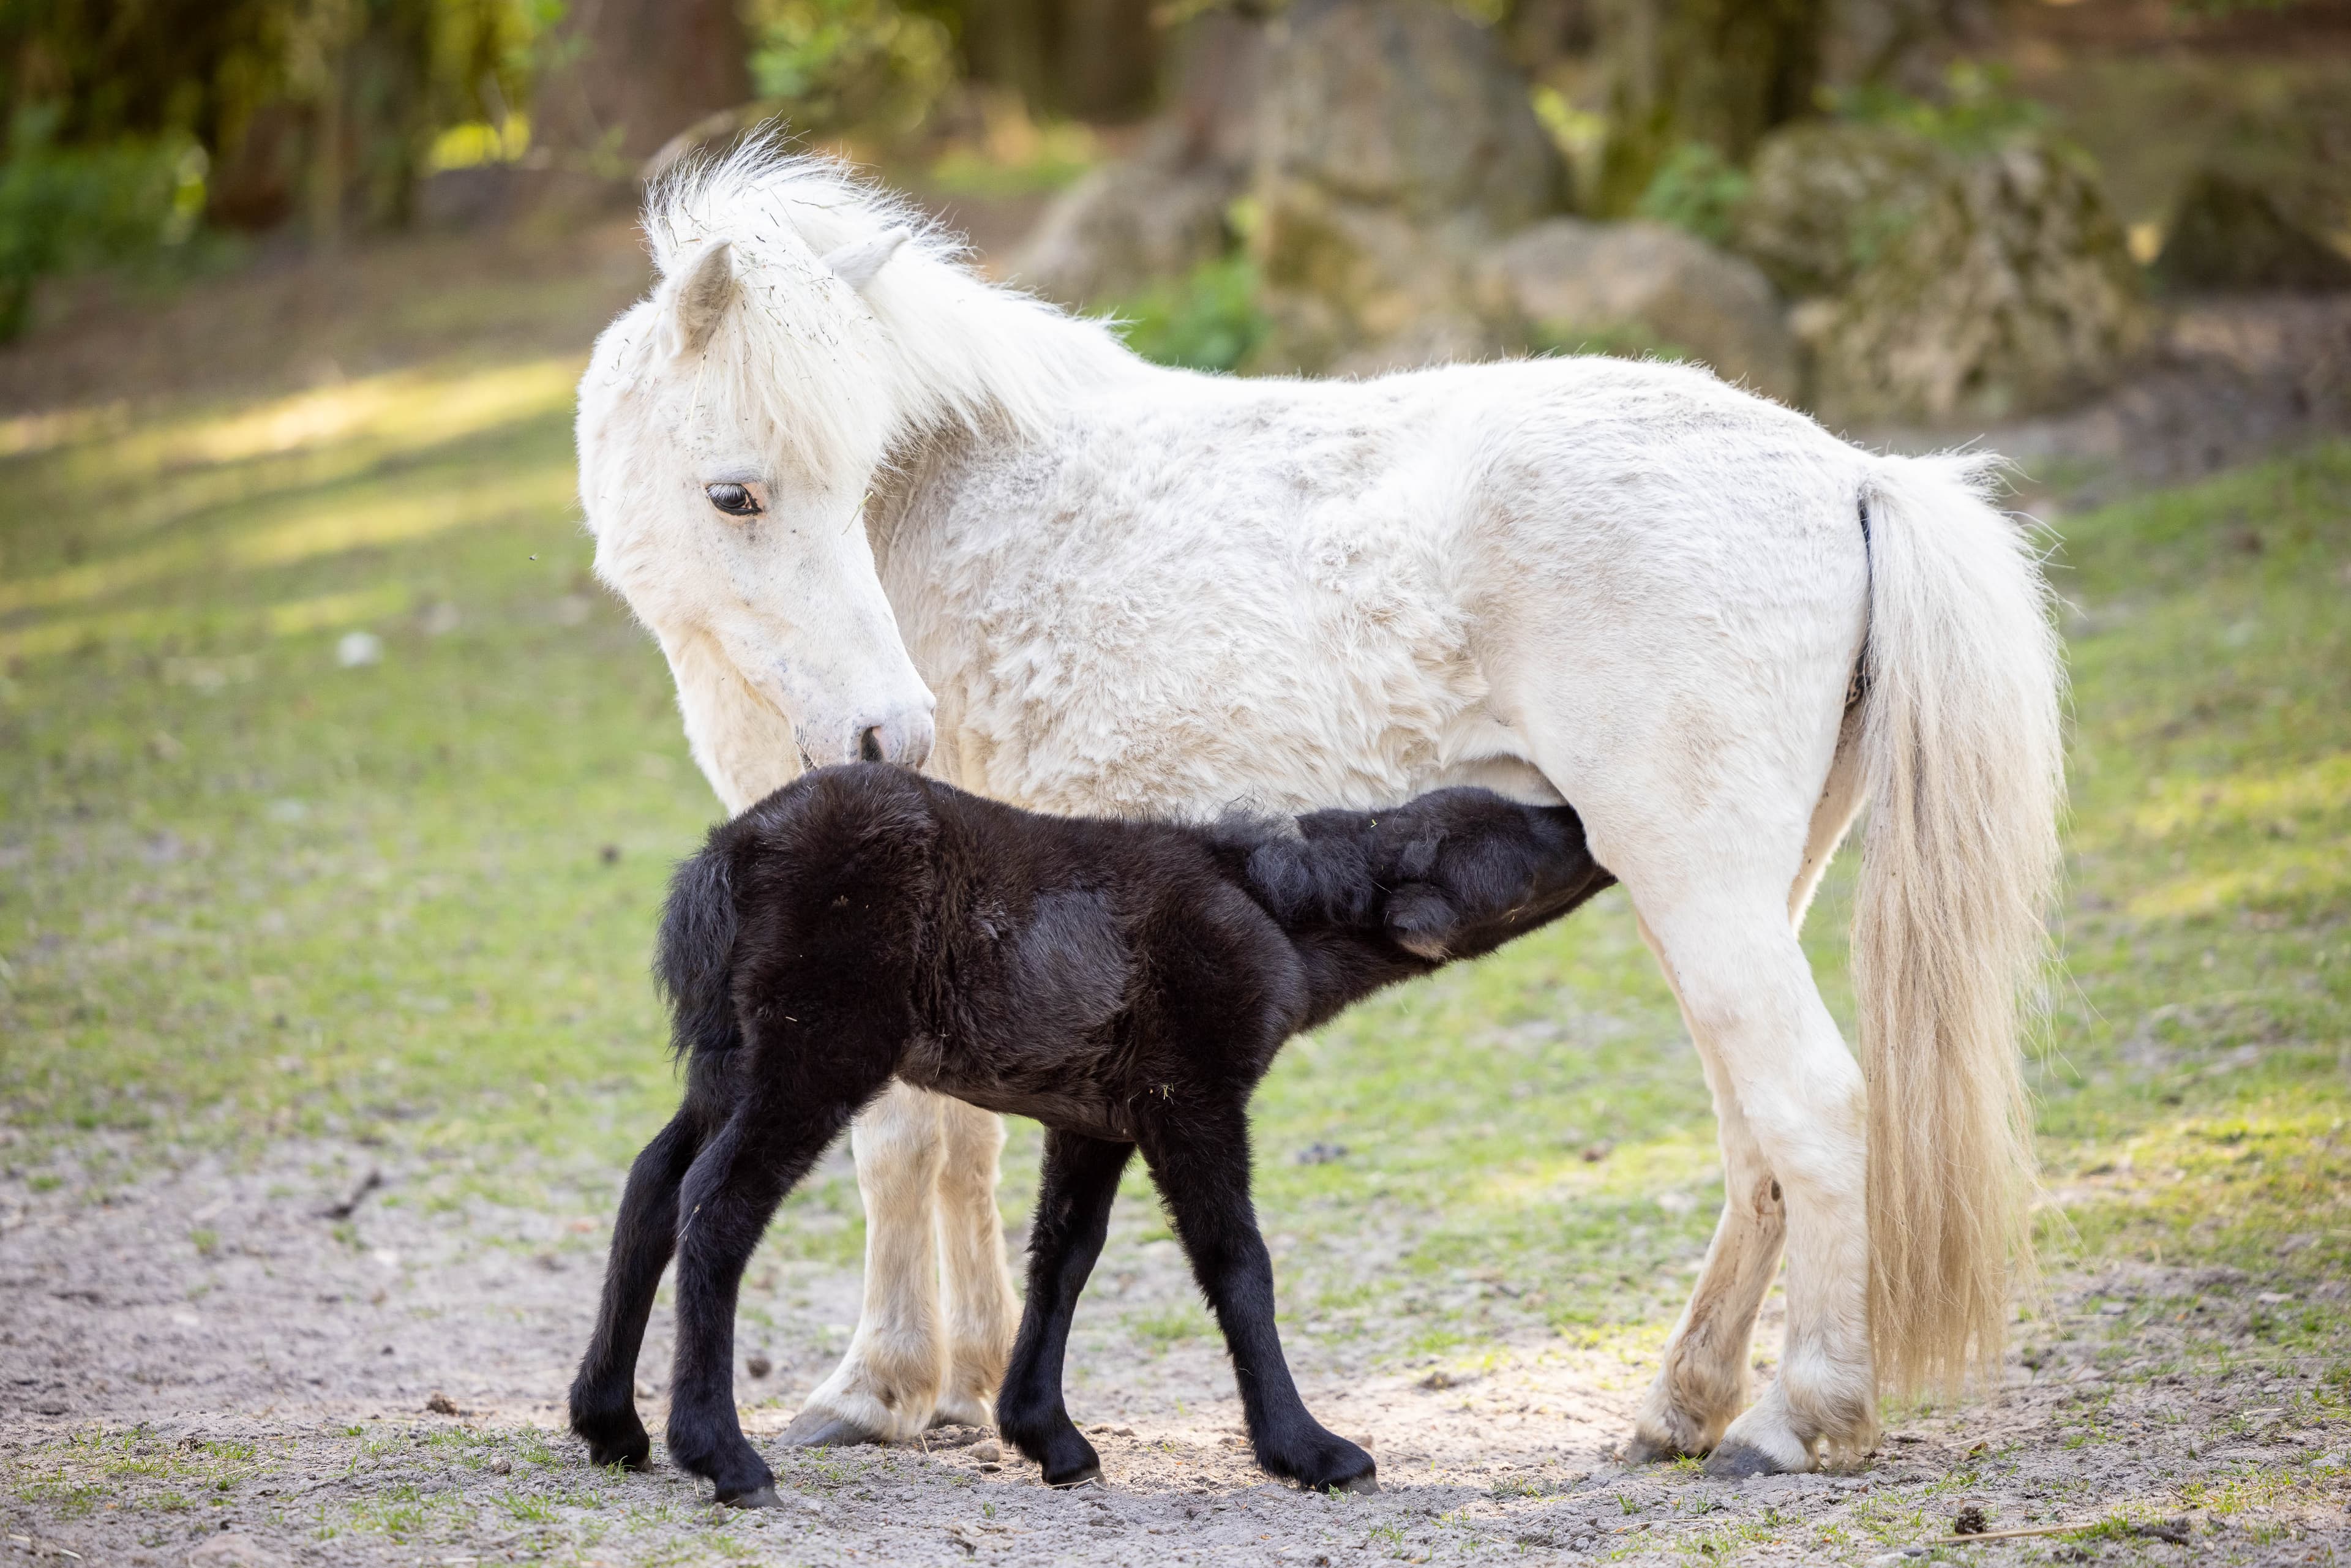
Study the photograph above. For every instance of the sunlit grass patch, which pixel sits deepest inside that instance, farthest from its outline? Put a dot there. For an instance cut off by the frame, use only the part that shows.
(136, 1468)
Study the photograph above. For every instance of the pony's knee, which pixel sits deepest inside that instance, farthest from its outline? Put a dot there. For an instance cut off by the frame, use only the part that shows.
(973, 1138)
(897, 1145)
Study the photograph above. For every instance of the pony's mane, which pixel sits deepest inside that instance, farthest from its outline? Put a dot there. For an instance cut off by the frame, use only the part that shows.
(800, 346)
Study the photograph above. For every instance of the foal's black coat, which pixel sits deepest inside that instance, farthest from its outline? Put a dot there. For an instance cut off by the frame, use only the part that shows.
(1124, 983)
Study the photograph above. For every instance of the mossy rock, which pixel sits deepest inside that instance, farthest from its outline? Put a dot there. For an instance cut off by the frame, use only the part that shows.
(1596, 287)
(2231, 236)
(1945, 283)
(1396, 144)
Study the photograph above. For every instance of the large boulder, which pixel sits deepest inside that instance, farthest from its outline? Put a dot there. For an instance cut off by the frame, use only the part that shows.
(2228, 235)
(1127, 225)
(1647, 283)
(1943, 284)
(1396, 145)
(1164, 211)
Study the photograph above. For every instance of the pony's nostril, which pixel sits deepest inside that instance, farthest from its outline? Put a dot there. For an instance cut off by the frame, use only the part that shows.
(868, 745)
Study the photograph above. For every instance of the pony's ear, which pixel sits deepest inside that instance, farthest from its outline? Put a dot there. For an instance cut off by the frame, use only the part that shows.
(699, 300)
(1421, 921)
(856, 263)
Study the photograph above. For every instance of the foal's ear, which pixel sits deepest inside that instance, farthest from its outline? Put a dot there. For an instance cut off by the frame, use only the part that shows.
(699, 300)
(856, 263)
(1421, 922)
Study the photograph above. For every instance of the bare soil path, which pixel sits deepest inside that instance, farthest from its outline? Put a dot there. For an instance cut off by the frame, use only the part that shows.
(206, 1365)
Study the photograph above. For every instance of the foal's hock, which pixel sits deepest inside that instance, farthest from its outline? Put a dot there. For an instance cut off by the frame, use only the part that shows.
(1126, 983)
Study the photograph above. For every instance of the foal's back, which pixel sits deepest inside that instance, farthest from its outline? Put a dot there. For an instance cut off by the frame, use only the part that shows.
(1046, 967)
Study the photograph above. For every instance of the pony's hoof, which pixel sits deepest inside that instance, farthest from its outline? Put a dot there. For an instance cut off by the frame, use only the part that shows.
(1365, 1484)
(1641, 1451)
(1736, 1461)
(1084, 1475)
(757, 1497)
(814, 1429)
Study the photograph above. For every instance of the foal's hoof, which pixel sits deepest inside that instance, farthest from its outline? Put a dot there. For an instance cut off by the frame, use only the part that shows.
(757, 1497)
(1084, 1475)
(1640, 1450)
(1736, 1461)
(631, 1450)
(1365, 1484)
(813, 1428)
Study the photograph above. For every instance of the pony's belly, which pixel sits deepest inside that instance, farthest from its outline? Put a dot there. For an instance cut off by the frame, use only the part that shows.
(1173, 758)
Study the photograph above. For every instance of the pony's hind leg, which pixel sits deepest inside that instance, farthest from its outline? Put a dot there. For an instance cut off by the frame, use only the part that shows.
(1702, 1379)
(1079, 1181)
(888, 1386)
(1203, 1173)
(1750, 1000)
(603, 1410)
(981, 1310)
(1702, 1384)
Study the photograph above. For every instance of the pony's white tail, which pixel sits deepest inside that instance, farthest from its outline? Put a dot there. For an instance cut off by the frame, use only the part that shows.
(1963, 770)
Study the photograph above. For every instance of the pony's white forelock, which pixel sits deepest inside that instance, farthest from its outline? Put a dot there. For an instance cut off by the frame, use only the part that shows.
(847, 376)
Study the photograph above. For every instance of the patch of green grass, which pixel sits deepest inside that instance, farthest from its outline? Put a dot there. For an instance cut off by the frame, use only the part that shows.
(1182, 1319)
(76, 1474)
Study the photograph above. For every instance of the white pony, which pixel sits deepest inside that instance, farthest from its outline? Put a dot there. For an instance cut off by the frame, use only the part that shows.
(873, 505)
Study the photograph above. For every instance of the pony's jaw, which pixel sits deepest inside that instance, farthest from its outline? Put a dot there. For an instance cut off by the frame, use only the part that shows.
(869, 707)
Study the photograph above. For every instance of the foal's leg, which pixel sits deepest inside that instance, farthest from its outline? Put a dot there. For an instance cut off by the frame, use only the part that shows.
(888, 1386)
(981, 1309)
(644, 1234)
(1203, 1172)
(1079, 1181)
(723, 1205)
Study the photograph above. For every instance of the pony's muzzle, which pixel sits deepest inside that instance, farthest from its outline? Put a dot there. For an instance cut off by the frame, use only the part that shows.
(904, 737)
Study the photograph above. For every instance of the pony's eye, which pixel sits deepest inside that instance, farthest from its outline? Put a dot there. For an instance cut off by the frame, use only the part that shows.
(734, 500)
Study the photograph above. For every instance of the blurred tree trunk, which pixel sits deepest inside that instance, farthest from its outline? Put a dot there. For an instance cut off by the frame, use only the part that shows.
(627, 75)
(1096, 59)
(1720, 72)
(1109, 59)
(387, 113)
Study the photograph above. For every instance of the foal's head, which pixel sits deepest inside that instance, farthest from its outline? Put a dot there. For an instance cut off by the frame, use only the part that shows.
(1450, 875)
(1464, 871)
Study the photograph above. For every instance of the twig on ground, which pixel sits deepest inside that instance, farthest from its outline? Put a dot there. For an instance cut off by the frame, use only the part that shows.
(2012, 1534)
(344, 1210)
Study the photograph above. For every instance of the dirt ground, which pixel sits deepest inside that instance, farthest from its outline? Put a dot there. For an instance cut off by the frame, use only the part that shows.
(206, 1365)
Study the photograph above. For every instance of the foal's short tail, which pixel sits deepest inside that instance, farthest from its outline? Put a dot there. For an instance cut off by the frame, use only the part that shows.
(1963, 771)
(695, 960)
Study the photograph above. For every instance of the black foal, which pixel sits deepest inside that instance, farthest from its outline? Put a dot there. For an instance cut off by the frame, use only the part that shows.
(1126, 983)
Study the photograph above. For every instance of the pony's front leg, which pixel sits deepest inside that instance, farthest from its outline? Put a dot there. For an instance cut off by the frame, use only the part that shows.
(981, 1309)
(887, 1387)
